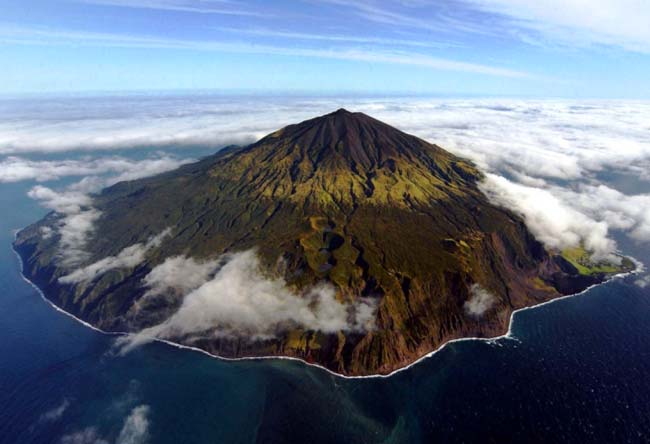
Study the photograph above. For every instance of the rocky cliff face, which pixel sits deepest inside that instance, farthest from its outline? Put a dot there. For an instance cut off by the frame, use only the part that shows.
(343, 199)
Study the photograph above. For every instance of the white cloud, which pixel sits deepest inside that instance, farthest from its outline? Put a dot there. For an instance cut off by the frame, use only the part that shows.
(241, 301)
(76, 224)
(89, 435)
(619, 211)
(642, 282)
(553, 152)
(622, 23)
(543, 138)
(174, 278)
(15, 169)
(74, 203)
(129, 257)
(46, 232)
(61, 202)
(55, 413)
(179, 273)
(135, 430)
(136, 426)
(479, 302)
(75, 230)
(553, 221)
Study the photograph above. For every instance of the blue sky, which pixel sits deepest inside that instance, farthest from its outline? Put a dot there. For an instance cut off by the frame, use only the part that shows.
(550, 48)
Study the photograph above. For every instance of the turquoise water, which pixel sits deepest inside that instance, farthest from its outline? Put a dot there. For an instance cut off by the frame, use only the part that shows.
(578, 371)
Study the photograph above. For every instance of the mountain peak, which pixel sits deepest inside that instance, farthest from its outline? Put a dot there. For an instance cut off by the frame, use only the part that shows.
(343, 158)
(344, 116)
(340, 111)
(352, 140)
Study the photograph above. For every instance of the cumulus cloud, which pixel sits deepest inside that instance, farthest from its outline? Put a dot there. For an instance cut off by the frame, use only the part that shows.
(129, 257)
(629, 213)
(15, 169)
(61, 202)
(179, 273)
(479, 302)
(240, 301)
(552, 220)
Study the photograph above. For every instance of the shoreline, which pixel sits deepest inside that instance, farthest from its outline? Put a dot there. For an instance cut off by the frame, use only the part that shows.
(640, 268)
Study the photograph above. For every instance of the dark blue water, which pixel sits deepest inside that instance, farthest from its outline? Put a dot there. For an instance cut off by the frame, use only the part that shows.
(579, 372)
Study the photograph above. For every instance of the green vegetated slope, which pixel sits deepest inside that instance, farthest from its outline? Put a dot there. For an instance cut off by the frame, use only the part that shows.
(580, 258)
(342, 198)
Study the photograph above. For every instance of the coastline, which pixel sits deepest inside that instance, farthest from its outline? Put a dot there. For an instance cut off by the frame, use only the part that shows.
(640, 268)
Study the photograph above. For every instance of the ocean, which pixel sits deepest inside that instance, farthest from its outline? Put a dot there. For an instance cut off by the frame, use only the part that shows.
(575, 370)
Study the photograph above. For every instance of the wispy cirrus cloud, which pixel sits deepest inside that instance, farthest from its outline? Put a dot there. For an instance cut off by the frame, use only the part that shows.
(622, 23)
(48, 36)
(554, 23)
(219, 7)
(339, 38)
(433, 17)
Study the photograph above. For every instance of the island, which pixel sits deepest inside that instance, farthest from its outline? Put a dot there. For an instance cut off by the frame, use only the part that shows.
(339, 240)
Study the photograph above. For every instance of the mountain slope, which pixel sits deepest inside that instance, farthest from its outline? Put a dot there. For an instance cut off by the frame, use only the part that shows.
(342, 199)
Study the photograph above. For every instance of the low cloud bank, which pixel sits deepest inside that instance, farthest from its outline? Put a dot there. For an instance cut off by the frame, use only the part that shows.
(16, 169)
(562, 139)
(129, 257)
(561, 147)
(479, 302)
(231, 297)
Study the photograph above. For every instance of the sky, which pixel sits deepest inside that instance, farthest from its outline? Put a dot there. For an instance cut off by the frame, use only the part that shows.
(550, 48)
